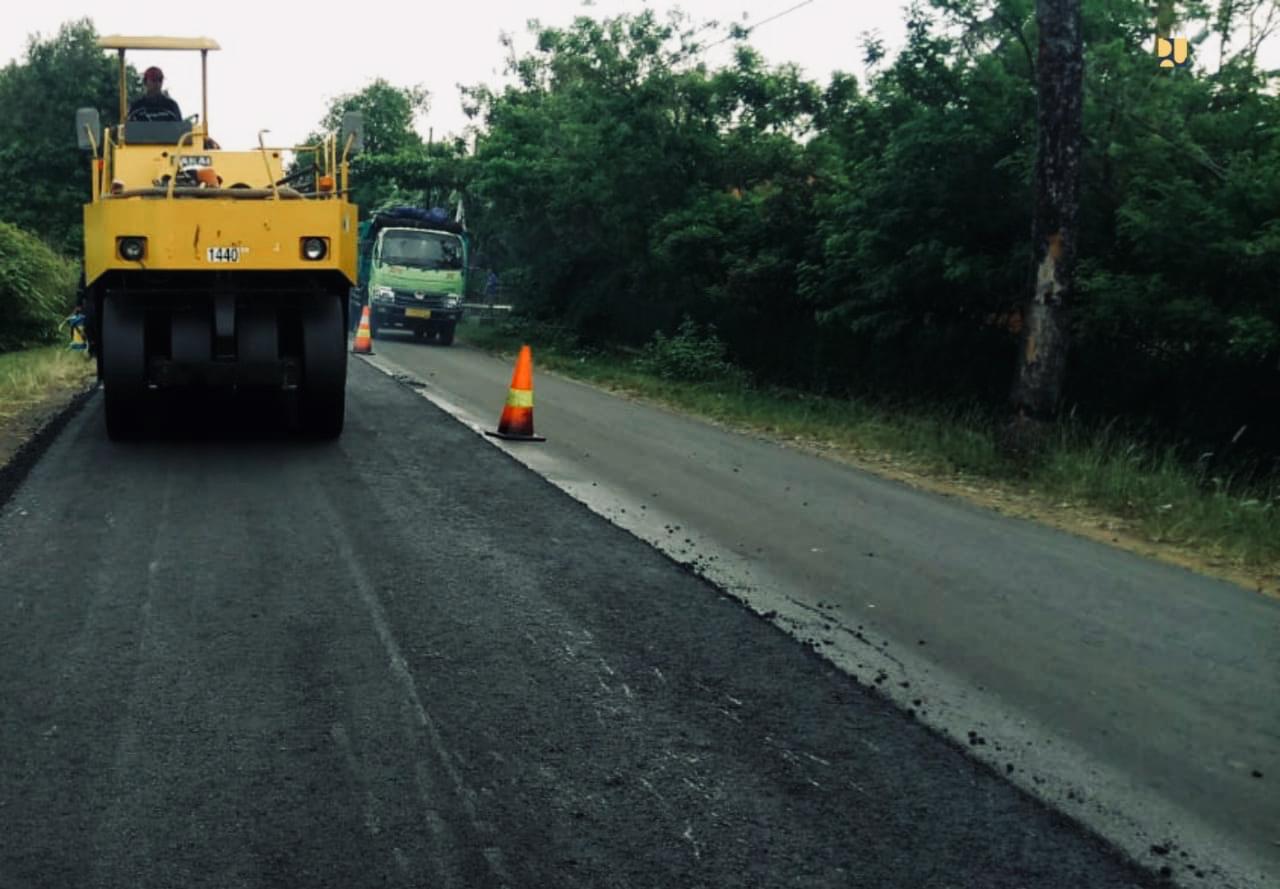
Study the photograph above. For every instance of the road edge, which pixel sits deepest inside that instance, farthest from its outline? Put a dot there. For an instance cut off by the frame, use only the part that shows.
(15, 470)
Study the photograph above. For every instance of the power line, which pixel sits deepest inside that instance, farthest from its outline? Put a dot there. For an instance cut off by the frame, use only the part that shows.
(772, 18)
(779, 15)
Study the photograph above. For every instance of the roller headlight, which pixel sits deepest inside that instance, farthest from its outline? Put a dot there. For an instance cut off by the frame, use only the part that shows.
(131, 249)
(314, 249)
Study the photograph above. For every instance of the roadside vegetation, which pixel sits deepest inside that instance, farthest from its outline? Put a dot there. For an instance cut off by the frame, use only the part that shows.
(40, 233)
(1105, 480)
(32, 377)
(37, 289)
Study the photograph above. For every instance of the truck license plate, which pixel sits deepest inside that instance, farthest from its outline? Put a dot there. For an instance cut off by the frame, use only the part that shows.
(417, 313)
(224, 254)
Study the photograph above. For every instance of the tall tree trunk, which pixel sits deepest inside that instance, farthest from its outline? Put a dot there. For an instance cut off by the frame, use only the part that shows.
(1165, 17)
(1060, 79)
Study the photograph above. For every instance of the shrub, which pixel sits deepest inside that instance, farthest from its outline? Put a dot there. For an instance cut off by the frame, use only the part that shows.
(690, 355)
(37, 288)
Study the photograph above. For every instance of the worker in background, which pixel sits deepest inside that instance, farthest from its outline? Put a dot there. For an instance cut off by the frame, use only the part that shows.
(75, 323)
(154, 104)
(85, 307)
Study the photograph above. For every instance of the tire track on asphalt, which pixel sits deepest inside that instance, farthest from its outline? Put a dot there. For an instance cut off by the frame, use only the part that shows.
(119, 846)
(445, 861)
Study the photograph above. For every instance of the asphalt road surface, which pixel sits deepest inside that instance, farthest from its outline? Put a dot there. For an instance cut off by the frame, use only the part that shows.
(1137, 697)
(402, 659)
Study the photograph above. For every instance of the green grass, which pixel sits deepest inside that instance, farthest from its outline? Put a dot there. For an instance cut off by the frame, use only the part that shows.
(1154, 493)
(32, 376)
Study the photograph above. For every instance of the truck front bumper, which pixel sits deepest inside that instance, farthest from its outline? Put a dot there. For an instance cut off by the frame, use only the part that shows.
(410, 316)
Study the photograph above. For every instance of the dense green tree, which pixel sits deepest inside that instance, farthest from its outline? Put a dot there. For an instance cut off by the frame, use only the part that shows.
(389, 115)
(578, 161)
(924, 225)
(47, 177)
(623, 185)
(393, 149)
(925, 214)
(1178, 318)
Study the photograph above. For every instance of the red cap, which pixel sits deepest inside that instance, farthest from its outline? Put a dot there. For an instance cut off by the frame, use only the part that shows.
(153, 73)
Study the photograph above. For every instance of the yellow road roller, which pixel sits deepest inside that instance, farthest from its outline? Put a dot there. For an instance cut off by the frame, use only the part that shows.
(210, 269)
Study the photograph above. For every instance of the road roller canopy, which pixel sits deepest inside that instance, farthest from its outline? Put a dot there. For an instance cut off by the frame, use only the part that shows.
(115, 41)
(203, 45)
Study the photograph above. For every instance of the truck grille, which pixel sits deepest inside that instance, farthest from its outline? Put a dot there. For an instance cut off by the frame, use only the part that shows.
(408, 299)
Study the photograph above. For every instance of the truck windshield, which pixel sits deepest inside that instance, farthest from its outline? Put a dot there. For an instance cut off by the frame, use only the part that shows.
(423, 250)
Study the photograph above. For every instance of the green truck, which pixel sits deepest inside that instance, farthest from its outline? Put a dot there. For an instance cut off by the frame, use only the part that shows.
(412, 272)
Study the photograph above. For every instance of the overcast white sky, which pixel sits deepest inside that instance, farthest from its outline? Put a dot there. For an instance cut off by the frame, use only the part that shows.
(281, 63)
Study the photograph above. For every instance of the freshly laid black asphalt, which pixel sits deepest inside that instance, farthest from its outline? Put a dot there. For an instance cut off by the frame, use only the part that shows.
(402, 659)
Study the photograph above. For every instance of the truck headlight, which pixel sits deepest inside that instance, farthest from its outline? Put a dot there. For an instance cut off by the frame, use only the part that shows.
(450, 301)
(384, 295)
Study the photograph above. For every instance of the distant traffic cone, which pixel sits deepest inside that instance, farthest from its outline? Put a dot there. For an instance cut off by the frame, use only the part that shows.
(516, 423)
(364, 337)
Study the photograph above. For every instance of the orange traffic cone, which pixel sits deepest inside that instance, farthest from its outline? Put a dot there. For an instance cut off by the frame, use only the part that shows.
(516, 423)
(364, 338)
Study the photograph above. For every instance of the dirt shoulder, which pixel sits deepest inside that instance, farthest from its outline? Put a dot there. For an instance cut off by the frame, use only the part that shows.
(1081, 520)
(18, 431)
(33, 417)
